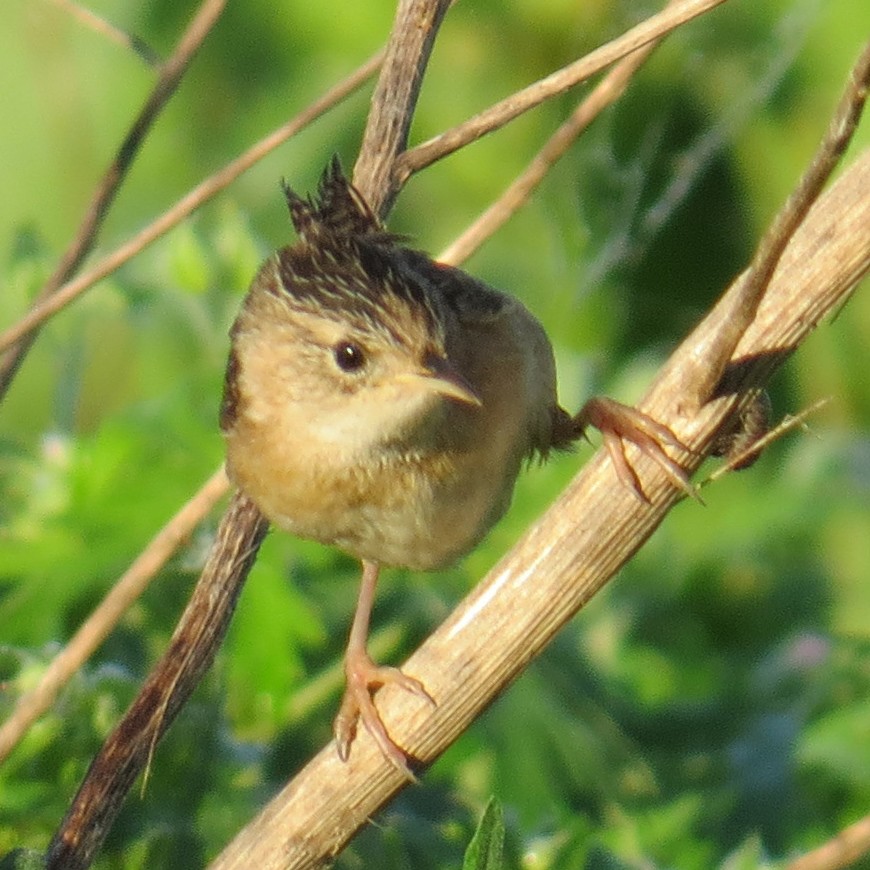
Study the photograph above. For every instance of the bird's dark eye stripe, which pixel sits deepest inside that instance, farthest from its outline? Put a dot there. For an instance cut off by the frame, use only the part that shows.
(349, 356)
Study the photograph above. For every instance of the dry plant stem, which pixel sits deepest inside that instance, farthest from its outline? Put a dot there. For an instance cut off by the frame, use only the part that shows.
(186, 205)
(756, 448)
(105, 28)
(386, 135)
(604, 94)
(837, 138)
(170, 75)
(563, 560)
(501, 113)
(190, 653)
(95, 629)
(843, 850)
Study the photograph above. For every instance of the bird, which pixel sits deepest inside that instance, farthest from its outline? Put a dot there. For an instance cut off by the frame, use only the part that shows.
(383, 403)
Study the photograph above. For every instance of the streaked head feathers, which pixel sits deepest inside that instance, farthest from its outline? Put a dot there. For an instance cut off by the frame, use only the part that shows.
(345, 262)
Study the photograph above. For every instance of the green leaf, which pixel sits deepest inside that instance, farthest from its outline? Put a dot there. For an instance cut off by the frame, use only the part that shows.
(485, 851)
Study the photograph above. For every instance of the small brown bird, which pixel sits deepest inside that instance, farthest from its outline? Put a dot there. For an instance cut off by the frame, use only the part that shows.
(383, 403)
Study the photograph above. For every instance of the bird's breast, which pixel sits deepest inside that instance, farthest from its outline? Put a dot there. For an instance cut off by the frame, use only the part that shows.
(398, 505)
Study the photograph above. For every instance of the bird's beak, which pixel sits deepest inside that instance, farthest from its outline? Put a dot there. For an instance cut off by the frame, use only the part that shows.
(439, 375)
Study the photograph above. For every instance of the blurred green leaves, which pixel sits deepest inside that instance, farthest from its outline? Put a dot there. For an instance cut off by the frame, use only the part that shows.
(486, 848)
(709, 709)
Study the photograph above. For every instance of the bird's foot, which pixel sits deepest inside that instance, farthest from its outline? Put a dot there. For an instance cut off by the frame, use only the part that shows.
(363, 677)
(619, 423)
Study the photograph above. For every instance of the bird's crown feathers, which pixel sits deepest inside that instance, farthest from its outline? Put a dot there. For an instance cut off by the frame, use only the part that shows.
(337, 209)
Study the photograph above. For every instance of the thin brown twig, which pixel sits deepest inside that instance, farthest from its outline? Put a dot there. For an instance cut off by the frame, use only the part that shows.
(788, 423)
(90, 19)
(187, 205)
(94, 630)
(604, 94)
(386, 132)
(837, 137)
(501, 113)
(170, 75)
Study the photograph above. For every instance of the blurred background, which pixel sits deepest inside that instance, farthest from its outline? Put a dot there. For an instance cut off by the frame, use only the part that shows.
(711, 708)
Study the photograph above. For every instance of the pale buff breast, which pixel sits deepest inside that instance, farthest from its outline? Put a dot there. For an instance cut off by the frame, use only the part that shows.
(421, 510)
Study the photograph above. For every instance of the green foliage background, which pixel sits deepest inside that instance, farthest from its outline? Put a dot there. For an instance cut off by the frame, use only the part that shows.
(709, 709)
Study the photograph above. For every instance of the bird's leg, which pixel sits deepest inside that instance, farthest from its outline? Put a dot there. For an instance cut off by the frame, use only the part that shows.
(363, 675)
(618, 423)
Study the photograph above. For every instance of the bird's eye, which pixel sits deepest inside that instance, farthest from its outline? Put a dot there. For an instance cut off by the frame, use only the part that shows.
(349, 357)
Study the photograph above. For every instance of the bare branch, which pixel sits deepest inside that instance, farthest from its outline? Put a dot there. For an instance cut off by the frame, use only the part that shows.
(756, 448)
(107, 189)
(557, 83)
(386, 135)
(191, 652)
(604, 94)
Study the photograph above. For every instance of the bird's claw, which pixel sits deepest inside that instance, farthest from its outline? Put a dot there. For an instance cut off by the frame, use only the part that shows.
(364, 676)
(619, 423)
